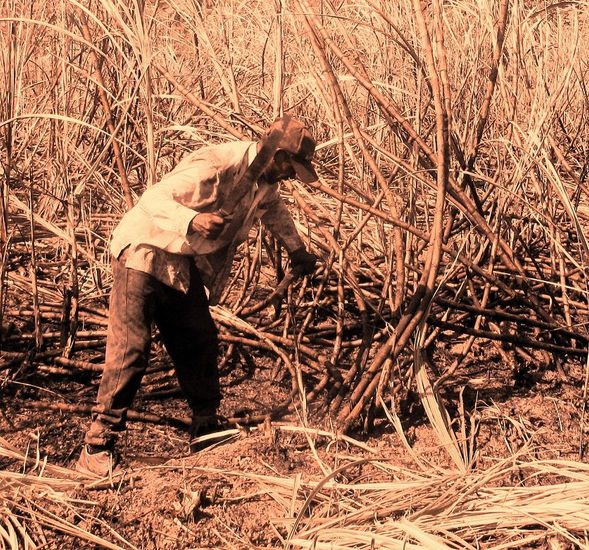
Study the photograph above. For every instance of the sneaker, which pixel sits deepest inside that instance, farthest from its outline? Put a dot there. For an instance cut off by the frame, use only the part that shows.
(98, 463)
(206, 431)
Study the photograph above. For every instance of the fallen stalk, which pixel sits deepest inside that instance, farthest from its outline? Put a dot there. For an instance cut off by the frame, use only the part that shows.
(510, 338)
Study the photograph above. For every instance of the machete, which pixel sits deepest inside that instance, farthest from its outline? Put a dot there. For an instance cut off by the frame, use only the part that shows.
(269, 145)
(264, 157)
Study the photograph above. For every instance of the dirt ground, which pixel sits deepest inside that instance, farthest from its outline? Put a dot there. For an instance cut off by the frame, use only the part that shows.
(221, 497)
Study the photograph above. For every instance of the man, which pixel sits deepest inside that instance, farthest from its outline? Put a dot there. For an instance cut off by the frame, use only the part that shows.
(178, 239)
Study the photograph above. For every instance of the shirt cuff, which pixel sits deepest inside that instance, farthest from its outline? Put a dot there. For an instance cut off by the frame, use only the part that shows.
(185, 217)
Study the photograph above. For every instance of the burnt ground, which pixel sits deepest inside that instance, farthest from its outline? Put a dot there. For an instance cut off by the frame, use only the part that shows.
(213, 499)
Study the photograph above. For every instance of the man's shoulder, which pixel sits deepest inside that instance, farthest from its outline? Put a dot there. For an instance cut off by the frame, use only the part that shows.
(220, 154)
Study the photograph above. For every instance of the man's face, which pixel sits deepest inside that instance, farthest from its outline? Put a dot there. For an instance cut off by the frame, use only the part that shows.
(280, 168)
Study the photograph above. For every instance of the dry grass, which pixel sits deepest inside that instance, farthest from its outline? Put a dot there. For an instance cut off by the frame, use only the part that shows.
(454, 510)
(364, 503)
(40, 497)
(450, 510)
(451, 207)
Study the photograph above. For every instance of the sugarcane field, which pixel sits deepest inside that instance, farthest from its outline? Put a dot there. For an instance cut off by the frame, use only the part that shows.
(296, 274)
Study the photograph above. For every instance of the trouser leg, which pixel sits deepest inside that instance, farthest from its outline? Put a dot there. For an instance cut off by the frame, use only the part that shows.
(127, 352)
(190, 336)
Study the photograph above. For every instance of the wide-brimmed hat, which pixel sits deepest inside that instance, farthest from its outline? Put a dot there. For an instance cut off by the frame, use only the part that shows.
(298, 141)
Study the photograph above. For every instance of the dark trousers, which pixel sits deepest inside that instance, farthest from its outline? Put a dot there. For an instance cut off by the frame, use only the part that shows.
(188, 332)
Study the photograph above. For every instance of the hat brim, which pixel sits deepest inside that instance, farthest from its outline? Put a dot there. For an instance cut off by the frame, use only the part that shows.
(304, 170)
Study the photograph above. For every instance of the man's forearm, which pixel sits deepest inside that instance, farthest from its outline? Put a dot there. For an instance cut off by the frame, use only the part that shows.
(280, 223)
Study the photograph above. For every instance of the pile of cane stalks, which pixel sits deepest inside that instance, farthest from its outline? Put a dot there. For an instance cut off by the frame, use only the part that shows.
(452, 149)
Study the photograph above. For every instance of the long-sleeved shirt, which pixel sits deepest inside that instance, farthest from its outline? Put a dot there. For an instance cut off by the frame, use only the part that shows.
(155, 232)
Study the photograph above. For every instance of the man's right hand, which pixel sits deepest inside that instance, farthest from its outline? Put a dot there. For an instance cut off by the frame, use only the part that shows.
(208, 225)
(302, 262)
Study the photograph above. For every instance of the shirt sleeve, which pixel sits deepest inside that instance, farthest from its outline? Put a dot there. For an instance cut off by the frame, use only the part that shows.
(278, 220)
(172, 203)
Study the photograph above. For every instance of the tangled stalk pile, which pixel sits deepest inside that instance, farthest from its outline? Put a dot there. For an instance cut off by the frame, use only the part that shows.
(453, 159)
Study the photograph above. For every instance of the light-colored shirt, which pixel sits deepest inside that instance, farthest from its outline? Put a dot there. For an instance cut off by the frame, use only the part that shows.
(156, 234)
